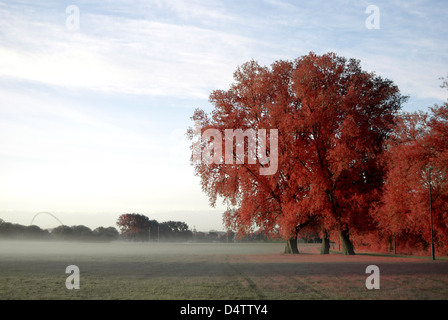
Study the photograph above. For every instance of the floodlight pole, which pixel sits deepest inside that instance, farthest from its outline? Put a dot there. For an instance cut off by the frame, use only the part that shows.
(430, 214)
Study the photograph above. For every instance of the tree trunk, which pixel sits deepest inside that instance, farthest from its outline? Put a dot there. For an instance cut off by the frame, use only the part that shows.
(291, 246)
(291, 243)
(325, 248)
(347, 245)
(389, 244)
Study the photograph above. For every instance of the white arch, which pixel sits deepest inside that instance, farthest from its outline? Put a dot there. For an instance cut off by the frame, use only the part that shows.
(39, 213)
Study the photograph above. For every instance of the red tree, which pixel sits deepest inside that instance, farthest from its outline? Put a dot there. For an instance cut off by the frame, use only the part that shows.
(332, 119)
(134, 226)
(346, 115)
(419, 144)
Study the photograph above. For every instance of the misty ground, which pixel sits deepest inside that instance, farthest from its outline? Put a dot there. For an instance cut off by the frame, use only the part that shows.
(124, 270)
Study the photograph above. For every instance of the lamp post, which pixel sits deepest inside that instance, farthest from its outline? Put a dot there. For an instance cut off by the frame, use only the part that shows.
(430, 214)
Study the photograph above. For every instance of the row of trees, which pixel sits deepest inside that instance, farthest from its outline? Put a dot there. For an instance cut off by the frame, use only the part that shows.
(17, 231)
(133, 226)
(77, 233)
(416, 185)
(351, 166)
(84, 233)
(138, 227)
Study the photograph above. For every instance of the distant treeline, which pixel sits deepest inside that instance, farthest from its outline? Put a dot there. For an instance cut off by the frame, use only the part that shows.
(76, 233)
(138, 227)
(133, 227)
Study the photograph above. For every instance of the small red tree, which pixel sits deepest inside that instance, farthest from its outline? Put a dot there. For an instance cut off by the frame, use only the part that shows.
(134, 226)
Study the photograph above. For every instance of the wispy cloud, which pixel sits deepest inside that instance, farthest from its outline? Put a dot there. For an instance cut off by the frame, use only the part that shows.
(121, 54)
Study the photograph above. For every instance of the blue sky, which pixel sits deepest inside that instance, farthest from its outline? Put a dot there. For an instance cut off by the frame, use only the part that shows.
(92, 121)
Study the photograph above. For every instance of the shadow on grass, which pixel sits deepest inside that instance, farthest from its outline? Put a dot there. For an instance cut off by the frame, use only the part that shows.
(391, 255)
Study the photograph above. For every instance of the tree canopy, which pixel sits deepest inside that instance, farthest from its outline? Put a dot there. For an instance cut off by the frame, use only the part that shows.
(417, 155)
(332, 118)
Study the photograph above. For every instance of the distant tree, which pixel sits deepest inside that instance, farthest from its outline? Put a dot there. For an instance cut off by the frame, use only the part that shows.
(62, 232)
(175, 230)
(34, 232)
(8, 230)
(230, 235)
(81, 232)
(154, 230)
(5, 229)
(17, 231)
(213, 235)
(199, 236)
(134, 226)
(106, 234)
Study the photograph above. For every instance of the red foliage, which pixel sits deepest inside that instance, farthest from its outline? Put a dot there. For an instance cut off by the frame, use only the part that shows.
(419, 143)
(134, 226)
(332, 120)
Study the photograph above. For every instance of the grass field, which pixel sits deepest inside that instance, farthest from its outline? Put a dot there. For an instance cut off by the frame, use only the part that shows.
(30, 270)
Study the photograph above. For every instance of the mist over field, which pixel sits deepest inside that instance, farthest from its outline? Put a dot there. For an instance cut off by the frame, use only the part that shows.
(42, 249)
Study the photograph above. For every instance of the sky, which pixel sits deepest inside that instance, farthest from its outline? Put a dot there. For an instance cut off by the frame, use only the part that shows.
(96, 96)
